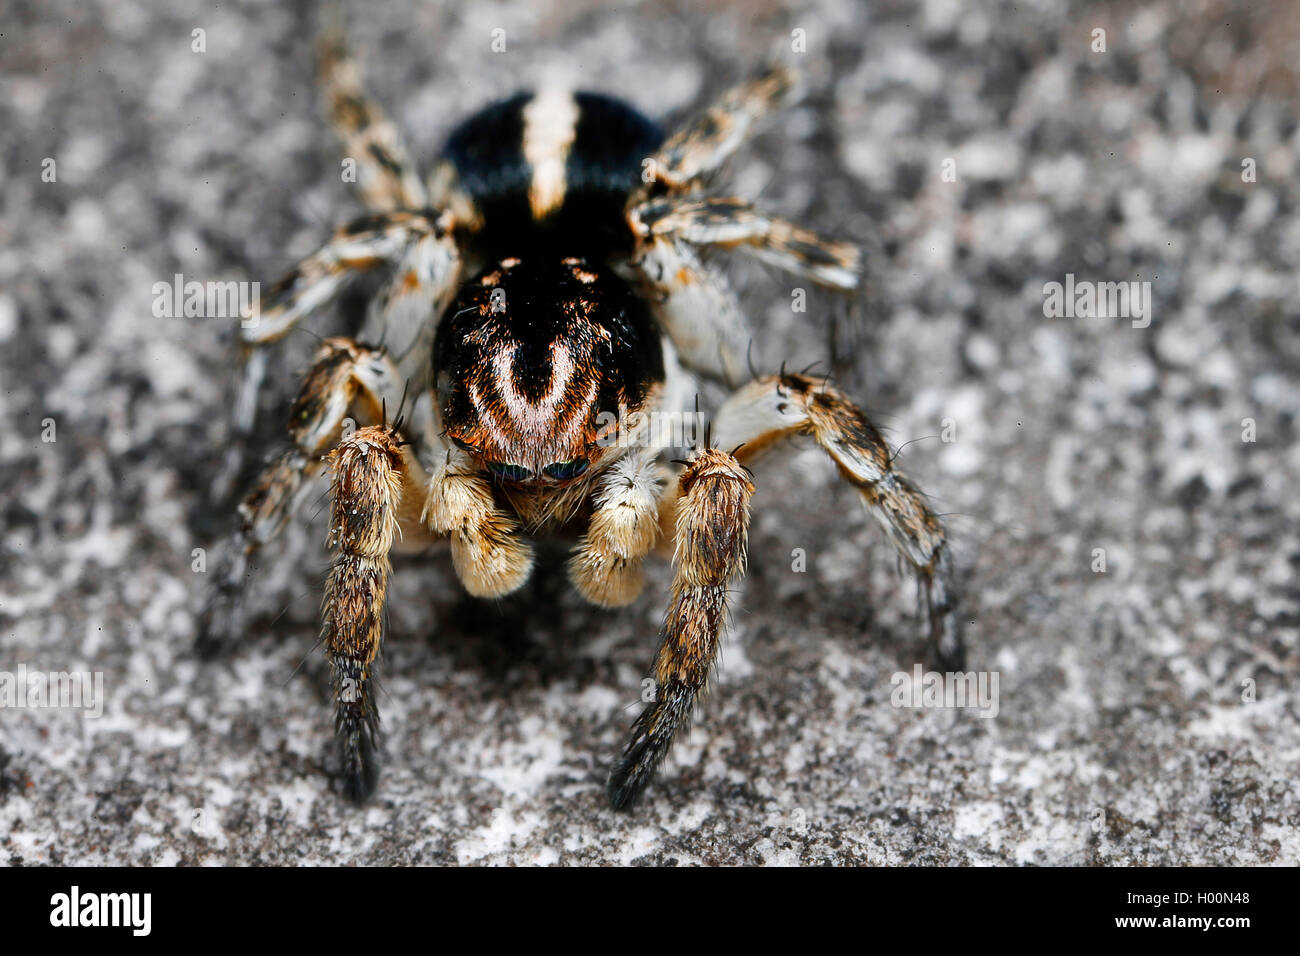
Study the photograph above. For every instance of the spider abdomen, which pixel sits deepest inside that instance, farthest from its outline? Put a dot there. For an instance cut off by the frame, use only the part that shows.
(551, 169)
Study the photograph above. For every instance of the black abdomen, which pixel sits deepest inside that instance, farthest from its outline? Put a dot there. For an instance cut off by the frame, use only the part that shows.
(552, 171)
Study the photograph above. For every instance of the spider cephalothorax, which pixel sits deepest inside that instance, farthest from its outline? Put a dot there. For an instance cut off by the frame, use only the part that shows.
(545, 300)
(529, 356)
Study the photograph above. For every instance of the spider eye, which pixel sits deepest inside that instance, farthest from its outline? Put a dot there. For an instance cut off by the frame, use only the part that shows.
(508, 472)
(564, 470)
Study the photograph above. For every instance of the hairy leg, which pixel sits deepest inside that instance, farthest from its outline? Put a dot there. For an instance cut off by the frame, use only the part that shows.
(360, 245)
(376, 486)
(773, 408)
(390, 186)
(404, 315)
(344, 376)
(385, 173)
(703, 144)
(357, 247)
(371, 473)
(711, 538)
(730, 222)
(693, 303)
(695, 306)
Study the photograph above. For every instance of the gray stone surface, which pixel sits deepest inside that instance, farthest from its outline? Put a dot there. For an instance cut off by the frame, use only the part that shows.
(1122, 735)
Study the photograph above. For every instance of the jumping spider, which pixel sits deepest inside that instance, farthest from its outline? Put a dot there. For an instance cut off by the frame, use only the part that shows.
(545, 282)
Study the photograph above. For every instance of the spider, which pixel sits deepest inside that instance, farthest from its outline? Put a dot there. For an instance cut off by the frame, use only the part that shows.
(544, 295)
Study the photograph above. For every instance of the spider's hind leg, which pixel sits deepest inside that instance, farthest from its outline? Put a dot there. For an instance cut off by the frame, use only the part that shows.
(390, 186)
(704, 142)
(384, 170)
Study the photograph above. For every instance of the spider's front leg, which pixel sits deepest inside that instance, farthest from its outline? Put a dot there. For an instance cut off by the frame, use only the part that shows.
(780, 406)
(712, 530)
(377, 487)
(372, 473)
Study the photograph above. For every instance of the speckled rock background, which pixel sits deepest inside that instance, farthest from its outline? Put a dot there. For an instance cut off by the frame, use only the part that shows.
(1122, 735)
